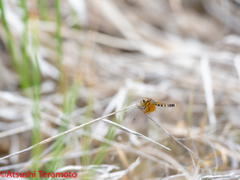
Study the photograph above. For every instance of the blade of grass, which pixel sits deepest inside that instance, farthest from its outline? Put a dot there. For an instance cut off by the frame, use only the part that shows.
(36, 82)
(25, 70)
(119, 174)
(86, 139)
(70, 97)
(58, 32)
(10, 41)
(207, 83)
(22, 67)
(120, 97)
(68, 106)
(44, 9)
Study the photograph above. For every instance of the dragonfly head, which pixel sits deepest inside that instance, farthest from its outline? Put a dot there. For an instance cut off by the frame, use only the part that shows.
(143, 102)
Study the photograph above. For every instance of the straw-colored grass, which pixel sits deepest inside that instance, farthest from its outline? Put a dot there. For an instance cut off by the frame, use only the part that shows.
(69, 72)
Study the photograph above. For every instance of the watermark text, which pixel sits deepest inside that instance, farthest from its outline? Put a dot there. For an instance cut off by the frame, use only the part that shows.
(30, 174)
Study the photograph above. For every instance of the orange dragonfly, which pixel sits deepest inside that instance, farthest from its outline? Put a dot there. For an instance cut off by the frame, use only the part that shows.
(148, 105)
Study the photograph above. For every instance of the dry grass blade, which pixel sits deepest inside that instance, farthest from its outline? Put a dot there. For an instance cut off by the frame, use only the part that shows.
(169, 159)
(207, 82)
(225, 176)
(112, 13)
(133, 132)
(120, 174)
(16, 130)
(237, 65)
(65, 63)
(173, 176)
(66, 132)
(103, 169)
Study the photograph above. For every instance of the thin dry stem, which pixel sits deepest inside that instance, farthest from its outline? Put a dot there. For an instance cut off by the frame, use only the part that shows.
(66, 132)
(133, 132)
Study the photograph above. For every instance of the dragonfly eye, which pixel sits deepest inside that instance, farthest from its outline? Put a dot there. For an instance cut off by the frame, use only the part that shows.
(142, 102)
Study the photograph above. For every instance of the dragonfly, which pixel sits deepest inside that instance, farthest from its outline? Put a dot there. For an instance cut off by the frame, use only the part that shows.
(148, 105)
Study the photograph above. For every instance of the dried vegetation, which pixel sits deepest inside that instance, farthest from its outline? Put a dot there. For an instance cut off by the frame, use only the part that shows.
(65, 63)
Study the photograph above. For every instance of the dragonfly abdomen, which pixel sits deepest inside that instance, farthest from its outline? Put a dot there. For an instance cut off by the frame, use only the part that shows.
(164, 104)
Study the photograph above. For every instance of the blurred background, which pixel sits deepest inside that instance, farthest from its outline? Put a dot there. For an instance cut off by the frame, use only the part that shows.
(64, 63)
